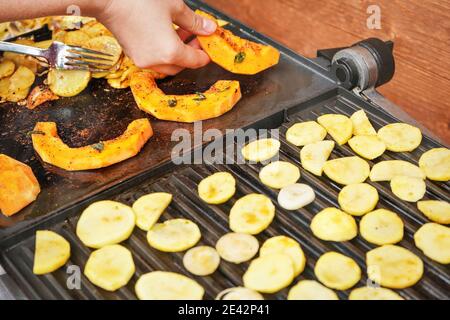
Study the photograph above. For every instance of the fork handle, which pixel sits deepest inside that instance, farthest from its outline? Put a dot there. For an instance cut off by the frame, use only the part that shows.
(19, 48)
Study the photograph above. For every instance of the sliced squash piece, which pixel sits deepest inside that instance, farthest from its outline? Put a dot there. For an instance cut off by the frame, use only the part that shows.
(239, 293)
(408, 188)
(313, 156)
(217, 188)
(436, 164)
(301, 134)
(51, 252)
(332, 224)
(53, 150)
(400, 137)
(358, 199)
(174, 235)
(40, 95)
(311, 290)
(149, 208)
(434, 240)
(201, 261)
(237, 247)
(337, 271)
(435, 210)
(261, 150)
(68, 83)
(235, 54)
(214, 102)
(338, 126)
(362, 125)
(381, 227)
(386, 170)
(7, 68)
(368, 147)
(348, 170)
(374, 293)
(279, 174)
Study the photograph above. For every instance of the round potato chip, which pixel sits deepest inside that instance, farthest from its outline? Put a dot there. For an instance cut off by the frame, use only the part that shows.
(149, 208)
(51, 252)
(7, 68)
(337, 271)
(436, 164)
(386, 170)
(279, 174)
(434, 240)
(217, 188)
(381, 227)
(22, 79)
(348, 170)
(313, 156)
(239, 293)
(296, 196)
(269, 273)
(174, 235)
(68, 83)
(375, 293)
(105, 44)
(251, 214)
(368, 147)
(288, 246)
(400, 137)
(237, 247)
(338, 126)
(311, 290)
(76, 38)
(201, 261)
(435, 210)
(332, 224)
(408, 188)
(393, 267)
(358, 199)
(261, 150)
(301, 134)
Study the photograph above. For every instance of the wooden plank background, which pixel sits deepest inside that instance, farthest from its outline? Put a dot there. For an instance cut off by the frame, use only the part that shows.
(420, 30)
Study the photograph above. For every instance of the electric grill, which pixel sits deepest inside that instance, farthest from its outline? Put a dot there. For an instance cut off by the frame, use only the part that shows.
(298, 89)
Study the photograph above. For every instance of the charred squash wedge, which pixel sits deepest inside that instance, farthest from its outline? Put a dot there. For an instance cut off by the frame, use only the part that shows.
(220, 98)
(53, 150)
(235, 54)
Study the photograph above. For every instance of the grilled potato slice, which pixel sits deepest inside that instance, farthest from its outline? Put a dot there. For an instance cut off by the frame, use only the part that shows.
(279, 174)
(301, 134)
(149, 208)
(7, 68)
(311, 290)
(239, 293)
(393, 267)
(76, 38)
(436, 164)
(338, 126)
(368, 147)
(381, 227)
(4, 87)
(400, 137)
(435, 210)
(105, 44)
(261, 150)
(68, 83)
(374, 293)
(287, 246)
(20, 83)
(217, 188)
(161, 285)
(348, 170)
(51, 252)
(337, 271)
(110, 267)
(201, 261)
(237, 247)
(313, 156)
(362, 125)
(251, 214)
(269, 273)
(358, 199)
(408, 188)
(104, 223)
(386, 170)
(332, 224)
(174, 235)
(434, 240)
(296, 196)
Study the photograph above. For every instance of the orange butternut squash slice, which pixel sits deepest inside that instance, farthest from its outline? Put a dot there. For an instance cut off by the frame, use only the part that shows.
(18, 185)
(53, 150)
(220, 98)
(235, 54)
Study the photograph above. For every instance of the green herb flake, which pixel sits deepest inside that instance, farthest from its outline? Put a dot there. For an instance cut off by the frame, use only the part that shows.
(98, 146)
(172, 103)
(200, 96)
(239, 58)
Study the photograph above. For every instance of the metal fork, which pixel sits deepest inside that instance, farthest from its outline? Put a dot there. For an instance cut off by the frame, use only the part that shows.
(62, 56)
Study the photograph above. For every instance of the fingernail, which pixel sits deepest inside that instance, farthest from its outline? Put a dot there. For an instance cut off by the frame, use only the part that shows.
(209, 25)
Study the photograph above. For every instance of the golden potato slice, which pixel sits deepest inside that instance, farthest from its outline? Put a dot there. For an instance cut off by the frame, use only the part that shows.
(301, 134)
(237, 247)
(386, 170)
(435, 210)
(368, 147)
(393, 267)
(239, 293)
(279, 174)
(149, 208)
(296, 196)
(4, 87)
(161, 285)
(76, 38)
(217, 188)
(313, 156)
(408, 188)
(22, 79)
(287, 246)
(374, 293)
(311, 290)
(358, 199)
(174, 235)
(269, 273)
(106, 44)
(251, 214)
(201, 261)
(400, 137)
(338, 126)
(18, 95)
(95, 29)
(337, 271)
(381, 227)
(436, 164)
(68, 83)
(110, 267)
(361, 124)
(104, 223)
(7, 68)
(332, 224)
(434, 240)
(347, 170)
(261, 150)
(51, 252)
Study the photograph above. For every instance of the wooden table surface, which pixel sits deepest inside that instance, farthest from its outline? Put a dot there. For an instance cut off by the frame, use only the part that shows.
(420, 30)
